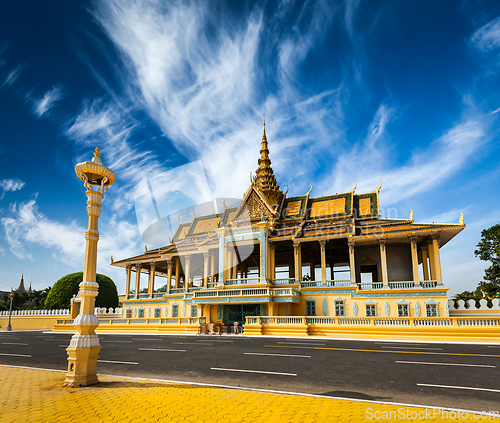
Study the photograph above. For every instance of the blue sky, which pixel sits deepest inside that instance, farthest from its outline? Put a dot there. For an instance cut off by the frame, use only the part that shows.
(403, 91)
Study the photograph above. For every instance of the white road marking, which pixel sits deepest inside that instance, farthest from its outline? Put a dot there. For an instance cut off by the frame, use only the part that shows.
(445, 364)
(16, 355)
(65, 346)
(415, 348)
(117, 362)
(298, 343)
(400, 343)
(135, 339)
(493, 346)
(279, 355)
(216, 340)
(459, 387)
(253, 371)
(159, 349)
(13, 343)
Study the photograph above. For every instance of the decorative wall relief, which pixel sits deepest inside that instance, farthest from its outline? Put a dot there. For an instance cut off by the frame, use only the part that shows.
(417, 309)
(354, 309)
(325, 307)
(387, 309)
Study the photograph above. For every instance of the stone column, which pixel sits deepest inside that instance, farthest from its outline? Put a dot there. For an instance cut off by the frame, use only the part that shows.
(414, 260)
(229, 268)
(272, 261)
(206, 256)
(169, 275)
(322, 246)
(352, 261)
(187, 275)
(177, 272)
(127, 284)
(207, 313)
(235, 265)
(437, 258)
(151, 282)
(425, 263)
(432, 264)
(212, 267)
(383, 263)
(297, 261)
(137, 280)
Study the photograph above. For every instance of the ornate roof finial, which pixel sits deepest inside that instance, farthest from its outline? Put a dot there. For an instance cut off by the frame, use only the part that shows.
(96, 152)
(264, 176)
(411, 215)
(461, 221)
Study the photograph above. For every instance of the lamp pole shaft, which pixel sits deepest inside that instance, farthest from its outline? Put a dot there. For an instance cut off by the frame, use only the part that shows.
(9, 326)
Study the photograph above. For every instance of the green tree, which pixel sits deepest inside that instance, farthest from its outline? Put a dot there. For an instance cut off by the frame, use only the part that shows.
(63, 290)
(488, 249)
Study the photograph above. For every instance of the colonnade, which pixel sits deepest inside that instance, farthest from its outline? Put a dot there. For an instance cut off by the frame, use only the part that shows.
(182, 278)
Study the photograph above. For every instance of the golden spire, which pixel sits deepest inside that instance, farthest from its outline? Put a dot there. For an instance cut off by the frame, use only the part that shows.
(264, 176)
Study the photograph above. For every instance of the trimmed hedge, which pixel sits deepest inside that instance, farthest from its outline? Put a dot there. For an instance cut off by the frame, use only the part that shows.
(63, 290)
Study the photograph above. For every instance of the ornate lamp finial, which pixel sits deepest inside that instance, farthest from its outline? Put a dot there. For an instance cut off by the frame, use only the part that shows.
(96, 152)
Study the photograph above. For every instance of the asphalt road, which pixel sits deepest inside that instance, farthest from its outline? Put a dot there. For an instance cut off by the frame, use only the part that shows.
(442, 375)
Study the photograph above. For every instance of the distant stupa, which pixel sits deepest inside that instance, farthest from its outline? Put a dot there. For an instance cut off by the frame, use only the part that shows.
(21, 288)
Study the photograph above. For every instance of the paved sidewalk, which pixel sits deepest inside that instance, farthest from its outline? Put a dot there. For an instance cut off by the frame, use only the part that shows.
(29, 395)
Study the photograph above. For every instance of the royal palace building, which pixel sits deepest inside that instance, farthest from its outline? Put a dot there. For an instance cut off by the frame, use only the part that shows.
(275, 258)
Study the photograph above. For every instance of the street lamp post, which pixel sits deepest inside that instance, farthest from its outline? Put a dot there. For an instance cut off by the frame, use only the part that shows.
(11, 296)
(84, 347)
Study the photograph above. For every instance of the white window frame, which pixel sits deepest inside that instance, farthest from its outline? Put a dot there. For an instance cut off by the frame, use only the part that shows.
(369, 304)
(342, 302)
(403, 303)
(431, 302)
(311, 304)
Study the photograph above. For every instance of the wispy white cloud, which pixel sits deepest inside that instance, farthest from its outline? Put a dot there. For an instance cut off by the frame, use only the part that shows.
(42, 105)
(9, 185)
(487, 38)
(423, 171)
(203, 92)
(27, 227)
(12, 76)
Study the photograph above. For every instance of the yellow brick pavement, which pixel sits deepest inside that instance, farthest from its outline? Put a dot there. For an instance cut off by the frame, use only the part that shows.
(29, 395)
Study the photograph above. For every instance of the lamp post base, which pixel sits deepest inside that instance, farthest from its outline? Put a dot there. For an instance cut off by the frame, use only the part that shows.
(82, 364)
(9, 327)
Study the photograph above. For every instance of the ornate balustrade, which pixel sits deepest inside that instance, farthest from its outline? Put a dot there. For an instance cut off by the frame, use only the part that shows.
(244, 281)
(272, 292)
(329, 283)
(286, 281)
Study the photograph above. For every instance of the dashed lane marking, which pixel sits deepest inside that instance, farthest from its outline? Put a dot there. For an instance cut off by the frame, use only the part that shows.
(278, 355)
(470, 388)
(446, 364)
(385, 351)
(160, 349)
(253, 371)
(190, 343)
(298, 343)
(117, 362)
(13, 343)
(16, 355)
